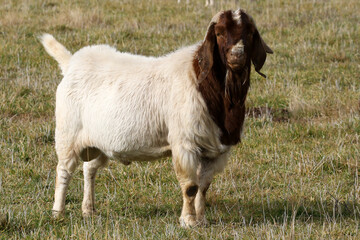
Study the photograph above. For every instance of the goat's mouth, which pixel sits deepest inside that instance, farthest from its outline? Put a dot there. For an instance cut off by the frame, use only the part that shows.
(236, 65)
(236, 62)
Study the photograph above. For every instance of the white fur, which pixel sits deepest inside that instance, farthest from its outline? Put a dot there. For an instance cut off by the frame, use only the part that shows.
(57, 51)
(238, 48)
(133, 107)
(237, 16)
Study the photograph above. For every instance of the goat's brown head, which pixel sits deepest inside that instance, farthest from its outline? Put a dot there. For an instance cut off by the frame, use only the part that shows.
(234, 35)
(222, 65)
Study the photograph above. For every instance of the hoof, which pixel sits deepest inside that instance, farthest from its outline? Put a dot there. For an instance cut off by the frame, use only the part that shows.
(58, 214)
(3, 220)
(188, 221)
(202, 222)
(88, 213)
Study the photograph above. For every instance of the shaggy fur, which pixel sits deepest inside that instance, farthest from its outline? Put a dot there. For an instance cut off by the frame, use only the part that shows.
(134, 108)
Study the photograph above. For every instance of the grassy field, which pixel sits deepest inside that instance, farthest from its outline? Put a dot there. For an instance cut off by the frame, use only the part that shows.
(295, 174)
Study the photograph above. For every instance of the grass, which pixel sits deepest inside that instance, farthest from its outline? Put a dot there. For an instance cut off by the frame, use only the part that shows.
(295, 174)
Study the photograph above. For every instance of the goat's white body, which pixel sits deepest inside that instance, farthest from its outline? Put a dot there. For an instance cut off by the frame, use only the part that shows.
(134, 107)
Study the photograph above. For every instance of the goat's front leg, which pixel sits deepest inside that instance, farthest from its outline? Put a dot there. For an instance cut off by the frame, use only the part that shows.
(206, 171)
(90, 169)
(185, 169)
(205, 175)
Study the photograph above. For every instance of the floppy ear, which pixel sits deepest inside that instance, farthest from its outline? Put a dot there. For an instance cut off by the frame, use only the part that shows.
(258, 55)
(206, 51)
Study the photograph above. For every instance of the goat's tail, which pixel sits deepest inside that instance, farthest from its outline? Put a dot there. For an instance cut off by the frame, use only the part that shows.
(56, 50)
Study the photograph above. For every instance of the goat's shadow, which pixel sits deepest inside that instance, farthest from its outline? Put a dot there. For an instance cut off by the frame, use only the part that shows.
(259, 212)
(280, 211)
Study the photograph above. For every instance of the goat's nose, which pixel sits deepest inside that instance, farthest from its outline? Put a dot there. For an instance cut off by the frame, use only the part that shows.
(234, 54)
(236, 51)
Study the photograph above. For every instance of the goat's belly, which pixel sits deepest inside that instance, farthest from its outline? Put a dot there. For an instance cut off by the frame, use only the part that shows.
(142, 154)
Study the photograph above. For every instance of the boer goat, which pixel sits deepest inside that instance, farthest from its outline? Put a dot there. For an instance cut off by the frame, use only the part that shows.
(189, 104)
(207, 2)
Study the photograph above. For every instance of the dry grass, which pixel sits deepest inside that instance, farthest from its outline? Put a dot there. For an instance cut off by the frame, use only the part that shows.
(295, 174)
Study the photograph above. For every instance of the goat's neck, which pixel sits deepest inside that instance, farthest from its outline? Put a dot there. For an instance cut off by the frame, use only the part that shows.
(224, 92)
(236, 87)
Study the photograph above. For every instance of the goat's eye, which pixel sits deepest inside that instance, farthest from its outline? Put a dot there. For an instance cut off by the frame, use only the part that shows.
(219, 31)
(219, 34)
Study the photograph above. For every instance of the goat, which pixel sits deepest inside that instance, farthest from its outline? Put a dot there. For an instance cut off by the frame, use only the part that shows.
(189, 104)
(207, 2)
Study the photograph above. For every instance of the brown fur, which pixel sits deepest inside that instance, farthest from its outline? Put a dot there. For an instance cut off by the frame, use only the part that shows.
(223, 88)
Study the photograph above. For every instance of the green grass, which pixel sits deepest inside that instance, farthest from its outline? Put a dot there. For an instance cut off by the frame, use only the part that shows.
(295, 174)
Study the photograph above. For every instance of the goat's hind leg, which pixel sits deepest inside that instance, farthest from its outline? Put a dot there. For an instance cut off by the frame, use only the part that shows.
(90, 170)
(64, 170)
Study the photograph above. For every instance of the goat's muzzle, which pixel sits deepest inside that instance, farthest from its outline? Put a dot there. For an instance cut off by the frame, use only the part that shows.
(236, 57)
(236, 61)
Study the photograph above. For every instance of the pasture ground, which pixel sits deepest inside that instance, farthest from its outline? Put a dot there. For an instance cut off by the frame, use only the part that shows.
(295, 174)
